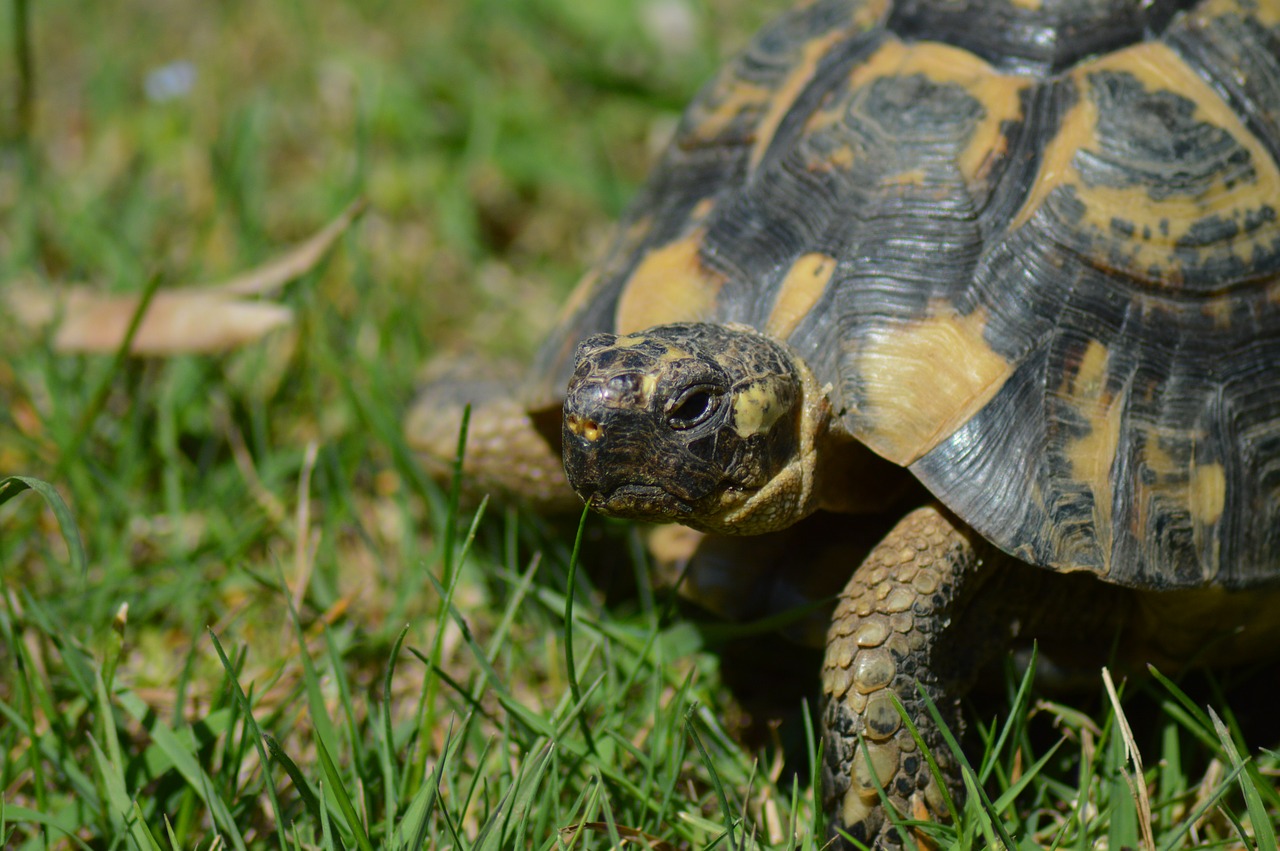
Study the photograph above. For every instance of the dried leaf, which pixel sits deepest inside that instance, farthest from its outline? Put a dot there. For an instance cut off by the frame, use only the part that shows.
(184, 320)
(177, 322)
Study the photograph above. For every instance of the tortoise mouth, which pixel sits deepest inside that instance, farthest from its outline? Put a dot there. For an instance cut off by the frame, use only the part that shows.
(641, 502)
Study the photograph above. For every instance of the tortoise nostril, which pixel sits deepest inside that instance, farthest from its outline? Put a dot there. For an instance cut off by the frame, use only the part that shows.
(584, 427)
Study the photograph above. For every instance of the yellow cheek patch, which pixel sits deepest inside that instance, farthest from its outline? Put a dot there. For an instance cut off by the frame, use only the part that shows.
(669, 285)
(798, 293)
(756, 408)
(924, 379)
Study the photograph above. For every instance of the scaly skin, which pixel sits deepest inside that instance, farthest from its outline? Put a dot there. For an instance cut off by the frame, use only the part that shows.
(507, 455)
(933, 604)
(884, 638)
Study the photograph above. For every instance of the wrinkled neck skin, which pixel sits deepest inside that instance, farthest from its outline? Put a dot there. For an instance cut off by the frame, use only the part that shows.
(796, 490)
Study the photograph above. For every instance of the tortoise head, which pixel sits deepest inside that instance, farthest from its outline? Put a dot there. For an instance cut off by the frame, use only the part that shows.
(700, 424)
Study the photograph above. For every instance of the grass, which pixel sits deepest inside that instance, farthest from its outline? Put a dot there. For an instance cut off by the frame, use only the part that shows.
(239, 616)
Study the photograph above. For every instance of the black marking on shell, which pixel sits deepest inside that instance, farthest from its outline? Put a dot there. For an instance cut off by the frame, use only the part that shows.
(1240, 56)
(1153, 141)
(1043, 40)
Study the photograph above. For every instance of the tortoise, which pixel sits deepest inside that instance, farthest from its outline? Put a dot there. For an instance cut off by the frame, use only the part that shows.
(1000, 278)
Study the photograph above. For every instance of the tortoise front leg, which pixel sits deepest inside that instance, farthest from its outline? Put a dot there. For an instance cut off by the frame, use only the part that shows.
(512, 453)
(890, 632)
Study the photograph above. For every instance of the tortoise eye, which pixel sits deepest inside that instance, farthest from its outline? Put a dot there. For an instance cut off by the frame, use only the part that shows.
(692, 407)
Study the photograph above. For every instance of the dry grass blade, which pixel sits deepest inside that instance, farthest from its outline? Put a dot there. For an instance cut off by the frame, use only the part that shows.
(185, 320)
(1137, 783)
(306, 539)
(628, 835)
(268, 278)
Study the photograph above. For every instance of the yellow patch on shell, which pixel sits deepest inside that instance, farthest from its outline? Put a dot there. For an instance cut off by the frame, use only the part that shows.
(1267, 12)
(799, 291)
(1166, 485)
(1093, 455)
(585, 290)
(1208, 493)
(784, 96)
(702, 209)
(945, 65)
(1220, 310)
(924, 379)
(914, 177)
(1159, 224)
(756, 408)
(735, 98)
(669, 285)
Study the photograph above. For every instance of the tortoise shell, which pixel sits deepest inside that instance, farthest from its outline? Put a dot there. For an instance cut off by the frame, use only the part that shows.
(1031, 245)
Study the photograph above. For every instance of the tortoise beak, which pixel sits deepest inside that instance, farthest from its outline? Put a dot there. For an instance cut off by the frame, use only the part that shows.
(641, 502)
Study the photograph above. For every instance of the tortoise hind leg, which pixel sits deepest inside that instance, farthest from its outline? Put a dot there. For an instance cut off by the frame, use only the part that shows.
(890, 632)
(512, 453)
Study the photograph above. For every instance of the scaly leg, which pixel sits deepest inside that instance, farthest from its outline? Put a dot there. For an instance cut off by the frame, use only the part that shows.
(512, 453)
(931, 605)
(889, 632)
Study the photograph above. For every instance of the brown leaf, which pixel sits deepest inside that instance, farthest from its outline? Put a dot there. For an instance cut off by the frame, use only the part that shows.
(184, 320)
(177, 322)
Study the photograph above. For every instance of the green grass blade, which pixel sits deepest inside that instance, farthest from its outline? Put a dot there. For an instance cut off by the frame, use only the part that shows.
(691, 726)
(417, 818)
(111, 772)
(1264, 832)
(1017, 712)
(310, 797)
(1005, 801)
(571, 670)
(387, 739)
(98, 399)
(1209, 802)
(187, 764)
(326, 831)
(14, 813)
(958, 754)
(522, 798)
(258, 739)
(340, 794)
(11, 486)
